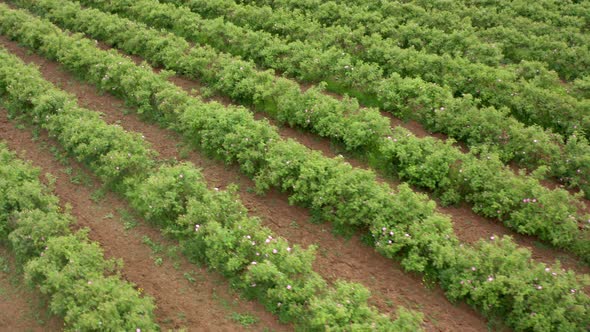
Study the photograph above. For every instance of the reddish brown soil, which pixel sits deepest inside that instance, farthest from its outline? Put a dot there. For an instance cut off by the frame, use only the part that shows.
(337, 258)
(22, 308)
(471, 227)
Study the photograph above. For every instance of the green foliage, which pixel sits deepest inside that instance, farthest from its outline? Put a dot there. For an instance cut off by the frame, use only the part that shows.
(32, 230)
(74, 269)
(540, 100)
(162, 198)
(582, 87)
(244, 319)
(20, 190)
(344, 309)
(495, 274)
(481, 32)
(426, 162)
(111, 154)
(214, 228)
(67, 267)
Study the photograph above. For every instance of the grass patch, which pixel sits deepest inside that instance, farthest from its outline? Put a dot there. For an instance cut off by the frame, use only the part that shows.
(246, 320)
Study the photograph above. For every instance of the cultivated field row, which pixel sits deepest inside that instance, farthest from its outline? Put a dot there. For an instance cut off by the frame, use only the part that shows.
(263, 266)
(482, 181)
(518, 30)
(402, 224)
(250, 166)
(350, 259)
(410, 98)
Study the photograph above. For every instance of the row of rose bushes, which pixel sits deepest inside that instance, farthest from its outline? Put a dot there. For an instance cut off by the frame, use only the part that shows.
(492, 188)
(83, 288)
(298, 24)
(212, 226)
(494, 85)
(533, 95)
(430, 104)
(403, 30)
(521, 88)
(495, 276)
(557, 13)
(562, 48)
(551, 13)
(505, 84)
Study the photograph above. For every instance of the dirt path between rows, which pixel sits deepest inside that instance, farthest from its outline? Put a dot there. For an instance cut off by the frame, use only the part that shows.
(337, 258)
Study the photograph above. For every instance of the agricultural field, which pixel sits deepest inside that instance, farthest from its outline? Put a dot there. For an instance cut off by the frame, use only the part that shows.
(294, 165)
